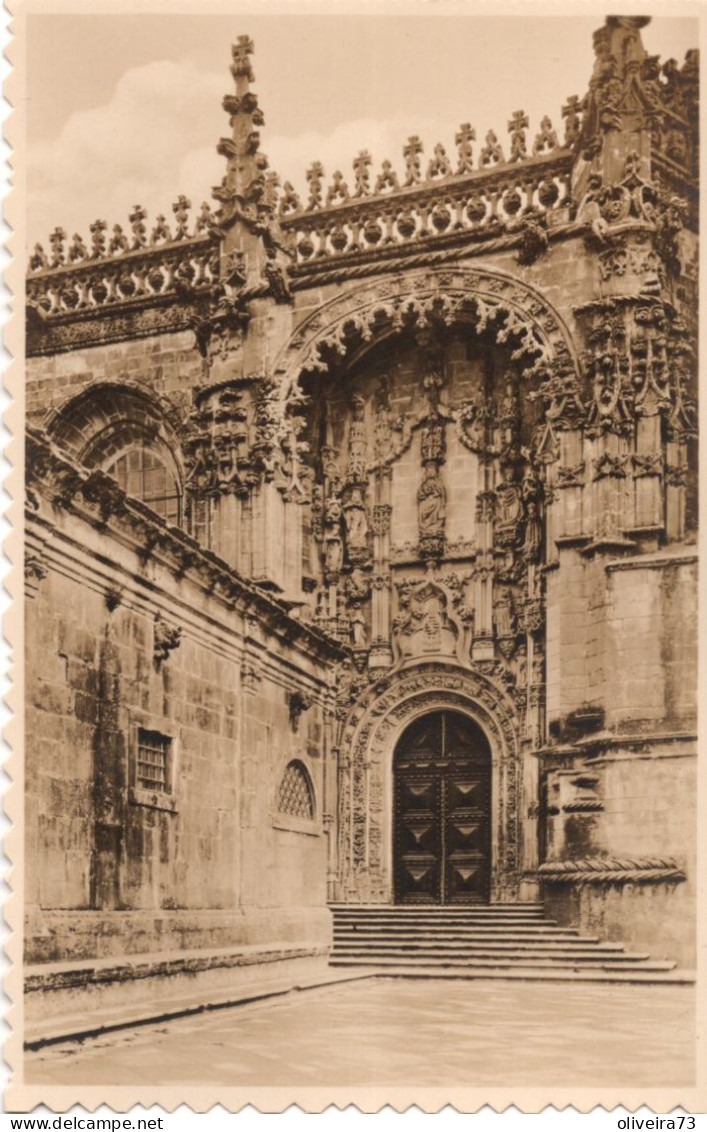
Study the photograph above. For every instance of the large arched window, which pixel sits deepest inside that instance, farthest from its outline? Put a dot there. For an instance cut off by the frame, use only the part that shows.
(131, 434)
(142, 473)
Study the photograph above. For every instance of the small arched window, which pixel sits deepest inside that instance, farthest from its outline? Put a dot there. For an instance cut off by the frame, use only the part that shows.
(142, 473)
(295, 796)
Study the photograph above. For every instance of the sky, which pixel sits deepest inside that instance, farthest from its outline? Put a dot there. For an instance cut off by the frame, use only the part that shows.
(126, 109)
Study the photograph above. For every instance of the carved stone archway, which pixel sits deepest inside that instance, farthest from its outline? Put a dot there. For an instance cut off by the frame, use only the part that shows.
(366, 747)
(517, 314)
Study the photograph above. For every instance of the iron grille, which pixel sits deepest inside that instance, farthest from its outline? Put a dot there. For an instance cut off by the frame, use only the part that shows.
(295, 797)
(153, 751)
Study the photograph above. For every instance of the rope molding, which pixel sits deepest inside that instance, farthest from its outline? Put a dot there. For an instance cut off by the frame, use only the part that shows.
(612, 870)
(319, 278)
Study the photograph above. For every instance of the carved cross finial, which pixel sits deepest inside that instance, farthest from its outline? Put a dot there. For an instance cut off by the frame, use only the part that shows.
(137, 218)
(362, 176)
(411, 153)
(492, 153)
(242, 66)
(180, 208)
(463, 139)
(57, 240)
(98, 240)
(516, 128)
(546, 138)
(314, 176)
(77, 251)
(571, 112)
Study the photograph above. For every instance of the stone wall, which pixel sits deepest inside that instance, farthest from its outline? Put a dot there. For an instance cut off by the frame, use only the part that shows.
(111, 867)
(621, 637)
(169, 365)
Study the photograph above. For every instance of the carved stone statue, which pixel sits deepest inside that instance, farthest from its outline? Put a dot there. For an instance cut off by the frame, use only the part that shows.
(357, 441)
(509, 512)
(357, 621)
(356, 521)
(503, 613)
(333, 546)
(431, 501)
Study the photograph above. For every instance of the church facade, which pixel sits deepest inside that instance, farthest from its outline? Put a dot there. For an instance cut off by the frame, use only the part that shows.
(360, 545)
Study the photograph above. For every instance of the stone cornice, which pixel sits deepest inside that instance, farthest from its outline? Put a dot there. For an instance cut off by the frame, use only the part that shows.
(96, 498)
(654, 561)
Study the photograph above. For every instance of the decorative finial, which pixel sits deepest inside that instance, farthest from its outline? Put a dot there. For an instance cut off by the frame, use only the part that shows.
(57, 240)
(491, 153)
(546, 138)
(78, 250)
(98, 239)
(361, 166)
(338, 191)
(180, 208)
(314, 176)
(137, 218)
(411, 153)
(439, 164)
(119, 241)
(570, 112)
(388, 178)
(242, 68)
(463, 139)
(516, 128)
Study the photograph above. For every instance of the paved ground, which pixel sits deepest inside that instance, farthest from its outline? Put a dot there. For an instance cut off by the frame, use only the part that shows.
(394, 1032)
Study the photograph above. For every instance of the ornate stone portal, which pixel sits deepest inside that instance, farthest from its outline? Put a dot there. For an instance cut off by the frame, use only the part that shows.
(366, 777)
(441, 605)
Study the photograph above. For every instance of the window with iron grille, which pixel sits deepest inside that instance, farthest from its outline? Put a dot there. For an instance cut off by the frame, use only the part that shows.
(153, 764)
(295, 796)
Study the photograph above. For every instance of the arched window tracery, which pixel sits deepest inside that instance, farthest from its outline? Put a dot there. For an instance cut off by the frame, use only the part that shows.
(131, 436)
(142, 472)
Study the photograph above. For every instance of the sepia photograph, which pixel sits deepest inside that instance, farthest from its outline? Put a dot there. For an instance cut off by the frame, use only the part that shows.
(355, 432)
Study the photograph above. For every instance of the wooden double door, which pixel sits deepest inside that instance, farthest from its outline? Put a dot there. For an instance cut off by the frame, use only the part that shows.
(442, 820)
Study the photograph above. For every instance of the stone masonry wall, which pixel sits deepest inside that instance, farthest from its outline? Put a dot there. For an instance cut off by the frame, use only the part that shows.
(168, 364)
(109, 871)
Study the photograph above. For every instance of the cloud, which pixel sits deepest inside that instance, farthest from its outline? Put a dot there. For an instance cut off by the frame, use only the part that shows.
(129, 151)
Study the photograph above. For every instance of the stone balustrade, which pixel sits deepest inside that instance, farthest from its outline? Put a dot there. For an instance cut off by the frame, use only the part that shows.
(147, 273)
(480, 203)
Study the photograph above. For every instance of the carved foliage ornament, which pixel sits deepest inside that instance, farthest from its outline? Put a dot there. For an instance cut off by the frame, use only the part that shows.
(492, 304)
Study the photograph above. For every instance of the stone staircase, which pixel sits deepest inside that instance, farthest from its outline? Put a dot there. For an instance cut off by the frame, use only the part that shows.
(510, 941)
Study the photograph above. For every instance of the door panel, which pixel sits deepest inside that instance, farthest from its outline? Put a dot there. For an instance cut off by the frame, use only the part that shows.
(442, 808)
(418, 833)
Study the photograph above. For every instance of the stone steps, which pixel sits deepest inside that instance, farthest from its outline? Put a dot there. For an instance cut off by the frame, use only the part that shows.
(423, 951)
(426, 931)
(480, 941)
(637, 962)
(527, 974)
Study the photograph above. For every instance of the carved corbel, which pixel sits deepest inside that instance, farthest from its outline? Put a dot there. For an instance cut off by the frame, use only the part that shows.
(166, 639)
(35, 572)
(298, 703)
